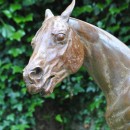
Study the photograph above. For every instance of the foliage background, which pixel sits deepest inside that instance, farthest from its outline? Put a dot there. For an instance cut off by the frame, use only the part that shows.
(77, 103)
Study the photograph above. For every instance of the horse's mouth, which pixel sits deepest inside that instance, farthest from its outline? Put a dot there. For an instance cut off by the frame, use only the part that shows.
(49, 85)
(46, 86)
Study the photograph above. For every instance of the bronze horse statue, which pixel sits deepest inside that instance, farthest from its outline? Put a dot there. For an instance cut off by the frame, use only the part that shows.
(63, 44)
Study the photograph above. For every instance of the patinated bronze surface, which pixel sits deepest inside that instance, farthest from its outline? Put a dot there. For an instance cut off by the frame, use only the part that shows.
(63, 44)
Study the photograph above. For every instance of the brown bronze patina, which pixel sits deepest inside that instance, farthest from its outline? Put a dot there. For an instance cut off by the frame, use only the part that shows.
(63, 44)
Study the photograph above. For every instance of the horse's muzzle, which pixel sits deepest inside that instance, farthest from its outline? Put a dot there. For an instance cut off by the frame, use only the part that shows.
(32, 78)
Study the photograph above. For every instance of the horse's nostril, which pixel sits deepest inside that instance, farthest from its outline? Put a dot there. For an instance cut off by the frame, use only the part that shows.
(38, 70)
(36, 73)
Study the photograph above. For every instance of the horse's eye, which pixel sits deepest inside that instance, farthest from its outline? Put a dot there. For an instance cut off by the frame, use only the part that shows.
(60, 37)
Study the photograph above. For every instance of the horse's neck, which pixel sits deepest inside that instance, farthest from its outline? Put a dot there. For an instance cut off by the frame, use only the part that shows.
(107, 59)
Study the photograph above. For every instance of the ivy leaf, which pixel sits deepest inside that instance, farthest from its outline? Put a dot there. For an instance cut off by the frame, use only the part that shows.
(83, 9)
(7, 30)
(52, 96)
(108, 1)
(114, 10)
(20, 19)
(16, 69)
(114, 28)
(10, 117)
(29, 17)
(78, 89)
(58, 118)
(126, 38)
(1, 1)
(19, 107)
(16, 51)
(6, 66)
(20, 127)
(28, 2)
(7, 13)
(14, 7)
(17, 35)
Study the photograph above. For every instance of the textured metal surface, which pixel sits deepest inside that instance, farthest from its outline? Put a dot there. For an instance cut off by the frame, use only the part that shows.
(63, 44)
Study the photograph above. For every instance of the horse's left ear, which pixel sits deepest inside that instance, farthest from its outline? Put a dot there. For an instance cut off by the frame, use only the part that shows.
(48, 14)
(66, 14)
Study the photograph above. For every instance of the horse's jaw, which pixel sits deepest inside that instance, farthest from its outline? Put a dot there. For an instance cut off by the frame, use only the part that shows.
(47, 82)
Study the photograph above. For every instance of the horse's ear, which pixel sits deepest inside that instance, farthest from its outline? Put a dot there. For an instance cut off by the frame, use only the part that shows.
(48, 14)
(66, 14)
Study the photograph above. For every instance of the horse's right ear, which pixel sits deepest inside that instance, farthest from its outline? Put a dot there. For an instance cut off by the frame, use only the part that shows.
(48, 14)
(66, 14)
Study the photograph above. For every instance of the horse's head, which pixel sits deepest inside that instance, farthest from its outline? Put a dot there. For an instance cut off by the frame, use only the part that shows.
(57, 52)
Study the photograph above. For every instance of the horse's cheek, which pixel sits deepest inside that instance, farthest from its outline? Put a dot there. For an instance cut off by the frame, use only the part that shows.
(79, 56)
(75, 55)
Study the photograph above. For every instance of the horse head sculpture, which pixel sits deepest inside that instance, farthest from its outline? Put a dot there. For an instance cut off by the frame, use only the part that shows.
(63, 44)
(57, 53)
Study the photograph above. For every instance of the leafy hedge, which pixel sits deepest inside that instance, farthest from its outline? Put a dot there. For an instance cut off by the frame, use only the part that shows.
(77, 103)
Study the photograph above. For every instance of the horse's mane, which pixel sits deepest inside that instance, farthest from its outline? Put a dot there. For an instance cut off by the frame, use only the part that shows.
(108, 39)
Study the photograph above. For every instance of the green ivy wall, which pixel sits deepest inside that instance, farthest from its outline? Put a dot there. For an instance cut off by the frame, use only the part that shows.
(77, 103)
